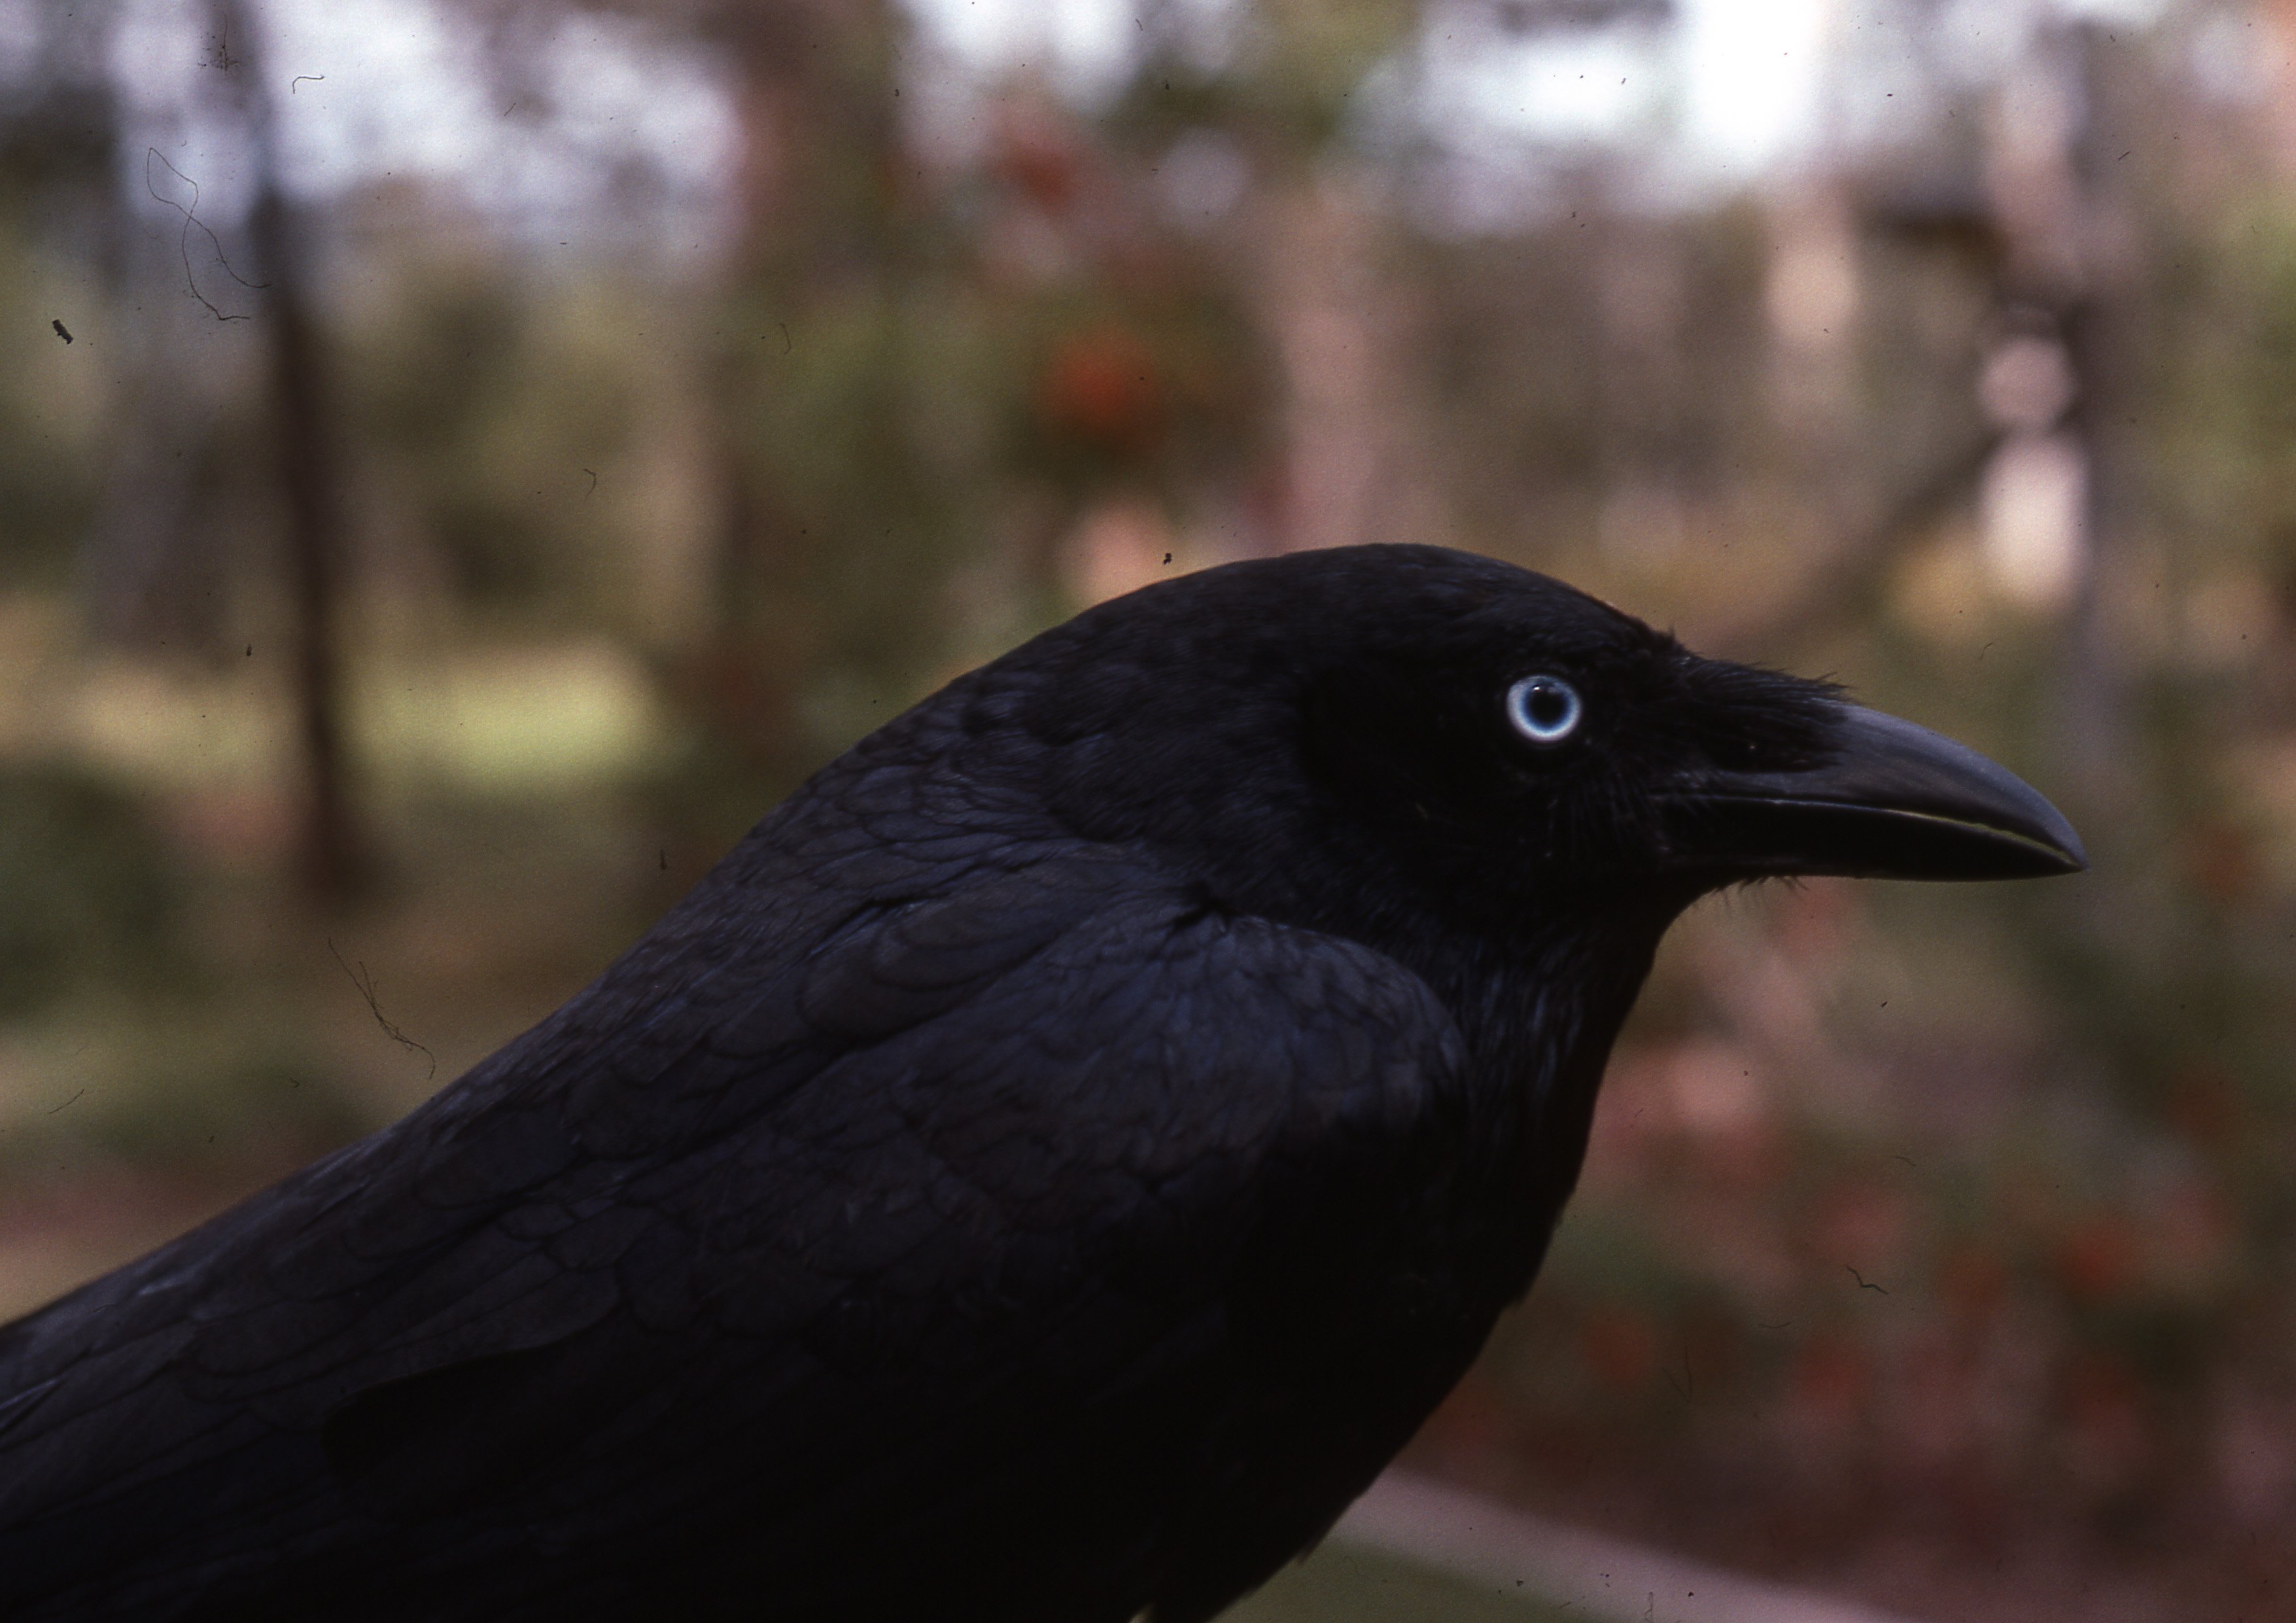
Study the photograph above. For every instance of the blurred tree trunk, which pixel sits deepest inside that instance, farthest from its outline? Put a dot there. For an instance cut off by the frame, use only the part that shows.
(2065, 283)
(815, 97)
(303, 423)
(2103, 328)
(815, 101)
(1350, 407)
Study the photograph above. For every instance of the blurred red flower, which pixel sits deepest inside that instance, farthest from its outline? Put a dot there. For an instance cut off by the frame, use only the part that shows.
(1103, 386)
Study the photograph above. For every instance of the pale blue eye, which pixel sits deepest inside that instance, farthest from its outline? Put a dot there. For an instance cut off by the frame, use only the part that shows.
(1545, 709)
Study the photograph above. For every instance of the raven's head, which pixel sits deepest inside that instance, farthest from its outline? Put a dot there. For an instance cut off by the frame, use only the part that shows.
(1354, 736)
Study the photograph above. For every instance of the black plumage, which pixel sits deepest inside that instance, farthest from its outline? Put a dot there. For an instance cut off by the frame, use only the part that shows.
(1044, 1172)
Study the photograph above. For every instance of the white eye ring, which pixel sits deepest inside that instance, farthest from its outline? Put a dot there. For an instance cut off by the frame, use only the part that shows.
(1545, 709)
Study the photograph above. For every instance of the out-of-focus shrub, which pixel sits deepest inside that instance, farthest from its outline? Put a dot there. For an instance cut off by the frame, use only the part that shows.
(85, 888)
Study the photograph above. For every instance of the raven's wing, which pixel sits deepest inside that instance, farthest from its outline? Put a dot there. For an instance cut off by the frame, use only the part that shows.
(1029, 1223)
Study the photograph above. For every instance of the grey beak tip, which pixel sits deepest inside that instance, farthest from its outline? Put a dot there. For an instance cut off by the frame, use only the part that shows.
(1899, 763)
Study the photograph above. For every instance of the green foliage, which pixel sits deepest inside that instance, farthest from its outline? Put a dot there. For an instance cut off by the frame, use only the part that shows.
(485, 404)
(87, 889)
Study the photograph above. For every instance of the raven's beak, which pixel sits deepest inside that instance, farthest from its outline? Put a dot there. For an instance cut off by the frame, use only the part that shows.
(1897, 801)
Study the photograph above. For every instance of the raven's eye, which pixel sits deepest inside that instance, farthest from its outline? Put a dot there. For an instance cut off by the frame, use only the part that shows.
(1545, 709)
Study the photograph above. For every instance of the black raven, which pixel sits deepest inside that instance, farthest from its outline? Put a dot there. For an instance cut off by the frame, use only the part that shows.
(1044, 1173)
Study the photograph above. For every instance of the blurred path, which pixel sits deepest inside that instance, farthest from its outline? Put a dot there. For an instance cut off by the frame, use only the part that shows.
(1502, 1551)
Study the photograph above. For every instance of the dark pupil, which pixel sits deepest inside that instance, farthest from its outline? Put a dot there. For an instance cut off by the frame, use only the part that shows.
(1548, 706)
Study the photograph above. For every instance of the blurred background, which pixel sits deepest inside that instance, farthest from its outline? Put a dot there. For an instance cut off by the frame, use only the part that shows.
(461, 461)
